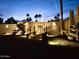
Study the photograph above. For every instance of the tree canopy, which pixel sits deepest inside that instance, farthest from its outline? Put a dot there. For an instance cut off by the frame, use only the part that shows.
(11, 20)
(1, 20)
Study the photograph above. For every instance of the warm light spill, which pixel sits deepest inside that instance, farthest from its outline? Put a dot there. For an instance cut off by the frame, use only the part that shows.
(54, 24)
(7, 26)
(53, 43)
(62, 42)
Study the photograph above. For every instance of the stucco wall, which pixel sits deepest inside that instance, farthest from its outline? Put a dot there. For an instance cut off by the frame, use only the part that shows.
(39, 27)
(67, 25)
(7, 28)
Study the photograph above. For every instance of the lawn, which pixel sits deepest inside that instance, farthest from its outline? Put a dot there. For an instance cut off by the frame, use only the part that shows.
(62, 42)
(53, 32)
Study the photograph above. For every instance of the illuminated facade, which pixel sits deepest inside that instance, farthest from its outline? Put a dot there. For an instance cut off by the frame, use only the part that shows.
(41, 27)
(72, 21)
(38, 27)
(77, 14)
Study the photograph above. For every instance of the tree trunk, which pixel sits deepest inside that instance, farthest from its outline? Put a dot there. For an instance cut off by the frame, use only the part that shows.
(61, 14)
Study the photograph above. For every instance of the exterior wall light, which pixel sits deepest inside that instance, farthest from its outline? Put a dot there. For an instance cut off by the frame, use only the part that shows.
(7, 26)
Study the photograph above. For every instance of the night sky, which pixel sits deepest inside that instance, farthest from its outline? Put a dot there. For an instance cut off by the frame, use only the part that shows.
(47, 8)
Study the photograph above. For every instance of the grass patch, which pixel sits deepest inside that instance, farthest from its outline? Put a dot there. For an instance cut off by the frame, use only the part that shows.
(62, 42)
(53, 32)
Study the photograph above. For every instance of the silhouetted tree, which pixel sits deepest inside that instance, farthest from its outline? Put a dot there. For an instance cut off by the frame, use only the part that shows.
(27, 15)
(36, 16)
(57, 17)
(29, 19)
(11, 20)
(1, 20)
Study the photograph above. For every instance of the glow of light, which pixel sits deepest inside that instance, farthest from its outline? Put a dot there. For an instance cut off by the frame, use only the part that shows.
(7, 33)
(53, 43)
(26, 24)
(20, 23)
(60, 42)
(7, 26)
(52, 35)
(23, 36)
(26, 27)
(54, 24)
(40, 39)
(70, 38)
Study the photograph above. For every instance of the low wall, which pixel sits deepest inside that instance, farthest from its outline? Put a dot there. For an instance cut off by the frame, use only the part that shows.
(7, 28)
(40, 27)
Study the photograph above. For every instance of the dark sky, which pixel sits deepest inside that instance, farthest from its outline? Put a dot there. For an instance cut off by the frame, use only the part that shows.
(48, 8)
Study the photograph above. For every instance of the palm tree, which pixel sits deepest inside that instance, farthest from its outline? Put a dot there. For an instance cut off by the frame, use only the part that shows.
(57, 17)
(28, 15)
(30, 19)
(27, 19)
(61, 13)
(36, 16)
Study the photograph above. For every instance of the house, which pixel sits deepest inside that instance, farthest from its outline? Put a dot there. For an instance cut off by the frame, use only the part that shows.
(38, 27)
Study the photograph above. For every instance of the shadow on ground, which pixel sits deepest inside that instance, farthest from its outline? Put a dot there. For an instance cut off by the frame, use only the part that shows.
(21, 48)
